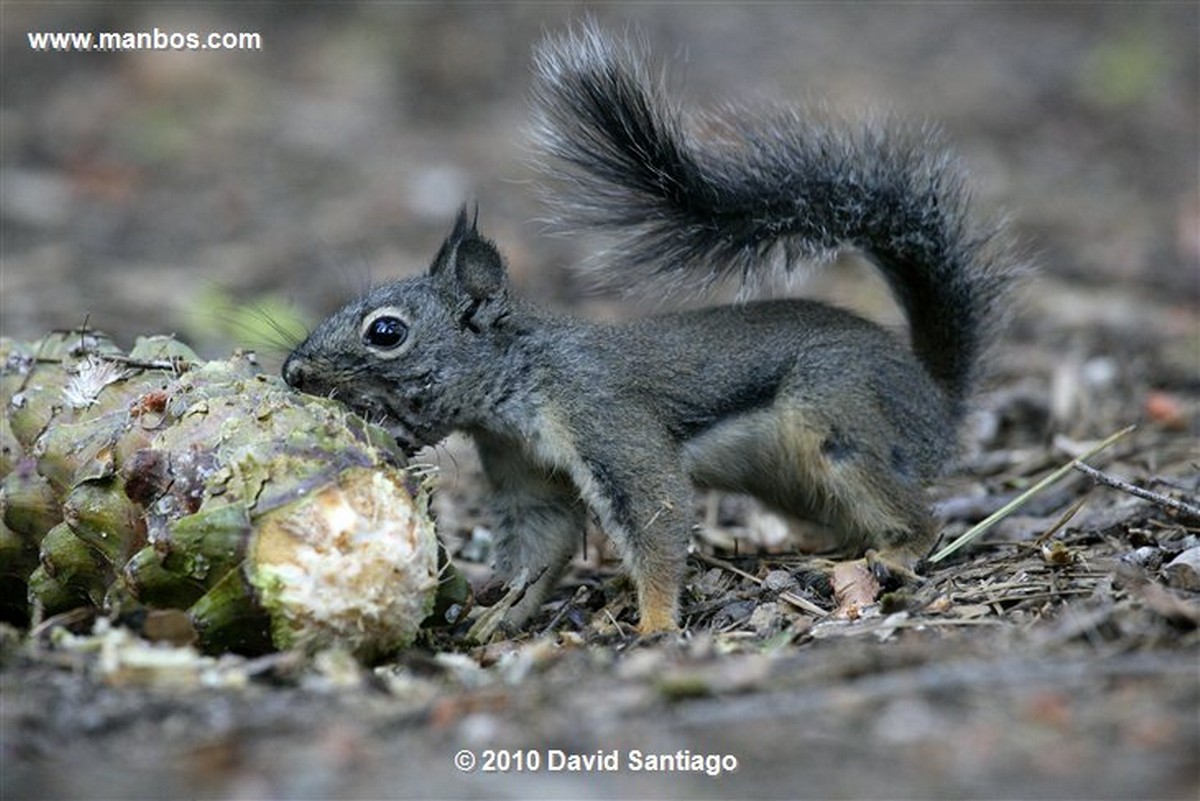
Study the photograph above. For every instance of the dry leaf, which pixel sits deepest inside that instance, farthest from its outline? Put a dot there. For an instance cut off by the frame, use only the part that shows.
(854, 587)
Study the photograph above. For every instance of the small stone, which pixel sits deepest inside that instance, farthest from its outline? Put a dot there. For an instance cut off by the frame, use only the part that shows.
(712, 582)
(736, 612)
(1148, 556)
(1183, 572)
(766, 620)
(780, 581)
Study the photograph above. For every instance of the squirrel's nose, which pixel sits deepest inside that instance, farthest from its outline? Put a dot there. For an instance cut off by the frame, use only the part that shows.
(295, 373)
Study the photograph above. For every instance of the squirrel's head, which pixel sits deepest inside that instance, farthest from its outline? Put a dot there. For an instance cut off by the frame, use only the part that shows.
(419, 355)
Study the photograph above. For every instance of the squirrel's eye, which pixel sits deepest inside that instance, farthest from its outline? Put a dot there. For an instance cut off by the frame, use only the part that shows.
(385, 332)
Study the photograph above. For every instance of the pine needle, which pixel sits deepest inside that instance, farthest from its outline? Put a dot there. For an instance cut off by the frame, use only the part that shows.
(1019, 501)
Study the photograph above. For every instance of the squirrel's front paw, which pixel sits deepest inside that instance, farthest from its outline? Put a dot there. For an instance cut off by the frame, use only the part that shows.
(506, 614)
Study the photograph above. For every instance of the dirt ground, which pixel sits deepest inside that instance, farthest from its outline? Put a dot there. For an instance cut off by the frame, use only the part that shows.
(150, 192)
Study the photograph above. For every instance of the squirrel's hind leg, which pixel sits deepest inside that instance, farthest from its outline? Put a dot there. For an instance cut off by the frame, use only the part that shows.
(840, 470)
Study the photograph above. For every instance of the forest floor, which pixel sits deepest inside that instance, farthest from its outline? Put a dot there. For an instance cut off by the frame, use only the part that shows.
(1056, 657)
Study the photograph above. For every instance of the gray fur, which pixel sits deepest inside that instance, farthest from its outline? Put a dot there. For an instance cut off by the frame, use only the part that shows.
(816, 411)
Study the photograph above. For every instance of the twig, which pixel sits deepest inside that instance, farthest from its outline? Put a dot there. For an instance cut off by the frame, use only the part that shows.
(1145, 494)
(802, 604)
(1062, 521)
(580, 592)
(1019, 501)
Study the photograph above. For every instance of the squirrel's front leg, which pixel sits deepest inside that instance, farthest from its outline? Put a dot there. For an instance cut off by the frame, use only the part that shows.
(539, 522)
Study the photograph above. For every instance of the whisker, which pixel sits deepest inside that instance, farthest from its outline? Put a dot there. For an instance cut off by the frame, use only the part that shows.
(266, 324)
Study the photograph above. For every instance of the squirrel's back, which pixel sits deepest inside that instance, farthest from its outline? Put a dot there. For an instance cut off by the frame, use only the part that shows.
(756, 192)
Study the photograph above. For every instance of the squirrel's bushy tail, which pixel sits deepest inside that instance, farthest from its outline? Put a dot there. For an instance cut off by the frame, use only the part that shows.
(735, 193)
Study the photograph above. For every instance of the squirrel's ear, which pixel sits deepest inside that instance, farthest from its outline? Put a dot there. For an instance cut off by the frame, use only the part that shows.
(479, 268)
(469, 261)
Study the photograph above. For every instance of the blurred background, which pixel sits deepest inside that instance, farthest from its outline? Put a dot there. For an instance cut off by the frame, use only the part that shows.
(200, 192)
(215, 193)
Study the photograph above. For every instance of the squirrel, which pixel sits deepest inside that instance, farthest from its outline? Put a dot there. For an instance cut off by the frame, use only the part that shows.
(819, 413)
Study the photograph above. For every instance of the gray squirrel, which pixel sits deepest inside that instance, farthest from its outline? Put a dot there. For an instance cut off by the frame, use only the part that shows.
(816, 411)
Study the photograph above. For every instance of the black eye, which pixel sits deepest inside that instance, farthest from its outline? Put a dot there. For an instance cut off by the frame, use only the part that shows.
(385, 332)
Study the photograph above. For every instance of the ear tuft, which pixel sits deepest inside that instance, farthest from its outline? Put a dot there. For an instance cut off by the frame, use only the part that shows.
(463, 227)
(470, 263)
